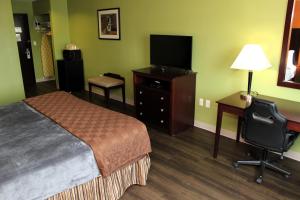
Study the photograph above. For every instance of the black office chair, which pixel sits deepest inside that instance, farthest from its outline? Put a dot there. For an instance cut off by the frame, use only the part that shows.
(265, 128)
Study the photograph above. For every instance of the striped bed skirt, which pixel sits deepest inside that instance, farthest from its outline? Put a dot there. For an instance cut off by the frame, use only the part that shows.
(111, 187)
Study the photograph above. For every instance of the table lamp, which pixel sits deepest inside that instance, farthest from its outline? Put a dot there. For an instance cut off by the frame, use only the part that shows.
(251, 58)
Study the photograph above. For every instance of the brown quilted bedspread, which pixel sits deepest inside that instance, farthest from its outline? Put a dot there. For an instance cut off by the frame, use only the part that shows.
(116, 139)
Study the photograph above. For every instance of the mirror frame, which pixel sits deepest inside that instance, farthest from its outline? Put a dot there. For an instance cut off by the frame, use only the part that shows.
(285, 47)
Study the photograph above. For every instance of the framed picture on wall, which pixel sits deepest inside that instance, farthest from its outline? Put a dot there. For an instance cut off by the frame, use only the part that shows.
(109, 24)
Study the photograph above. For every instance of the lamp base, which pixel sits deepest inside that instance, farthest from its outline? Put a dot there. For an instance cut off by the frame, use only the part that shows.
(248, 97)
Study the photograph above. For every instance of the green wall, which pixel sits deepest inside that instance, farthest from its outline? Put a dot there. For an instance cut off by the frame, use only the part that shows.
(60, 28)
(11, 85)
(219, 28)
(26, 7)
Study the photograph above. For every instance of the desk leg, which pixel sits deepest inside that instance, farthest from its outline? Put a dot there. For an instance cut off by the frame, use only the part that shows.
(238, 131)
(218, 130)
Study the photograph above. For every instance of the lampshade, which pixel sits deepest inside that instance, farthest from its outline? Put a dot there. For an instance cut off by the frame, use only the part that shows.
(252, 58)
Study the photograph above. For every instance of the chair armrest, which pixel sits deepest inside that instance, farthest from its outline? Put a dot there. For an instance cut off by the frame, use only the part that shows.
(290, 138)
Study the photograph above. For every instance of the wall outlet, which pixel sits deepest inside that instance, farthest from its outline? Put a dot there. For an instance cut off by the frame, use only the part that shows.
(207, 103)
(201, 102)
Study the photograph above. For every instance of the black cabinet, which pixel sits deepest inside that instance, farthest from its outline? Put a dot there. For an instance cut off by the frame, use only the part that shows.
(70, 75)
(165, 99)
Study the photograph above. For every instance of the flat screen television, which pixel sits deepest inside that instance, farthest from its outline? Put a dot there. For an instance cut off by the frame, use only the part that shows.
(171, 51)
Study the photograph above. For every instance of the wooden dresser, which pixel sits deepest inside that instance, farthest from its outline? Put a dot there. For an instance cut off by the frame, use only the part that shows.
(165, 98)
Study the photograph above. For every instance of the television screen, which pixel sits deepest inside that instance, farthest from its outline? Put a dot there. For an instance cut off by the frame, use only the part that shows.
(169, 50)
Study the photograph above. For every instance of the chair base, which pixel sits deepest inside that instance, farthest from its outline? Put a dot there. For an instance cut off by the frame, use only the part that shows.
(263, 163)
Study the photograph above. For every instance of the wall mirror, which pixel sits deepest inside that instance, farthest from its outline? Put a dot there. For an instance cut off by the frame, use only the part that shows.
(289, 69)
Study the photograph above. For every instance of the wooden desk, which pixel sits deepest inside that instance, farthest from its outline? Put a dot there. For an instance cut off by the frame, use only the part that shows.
(235, 105)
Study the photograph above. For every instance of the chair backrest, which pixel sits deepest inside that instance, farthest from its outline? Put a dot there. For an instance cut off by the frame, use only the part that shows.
(264, 125)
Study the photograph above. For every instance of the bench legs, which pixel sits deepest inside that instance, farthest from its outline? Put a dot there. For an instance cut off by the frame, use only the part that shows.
(123, 93)
(90, 92)
(106, 93)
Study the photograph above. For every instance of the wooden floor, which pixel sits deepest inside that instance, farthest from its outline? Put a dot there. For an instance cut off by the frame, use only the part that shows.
(40, 88)
(183, 168)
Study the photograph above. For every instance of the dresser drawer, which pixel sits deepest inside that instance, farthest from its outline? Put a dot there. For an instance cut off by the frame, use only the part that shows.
(152, 113)
(150, 97)
(141, 113)
(153, 106)
(159, 120)
(162, 122)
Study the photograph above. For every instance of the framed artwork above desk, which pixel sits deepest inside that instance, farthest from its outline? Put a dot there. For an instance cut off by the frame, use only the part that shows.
(233, 104)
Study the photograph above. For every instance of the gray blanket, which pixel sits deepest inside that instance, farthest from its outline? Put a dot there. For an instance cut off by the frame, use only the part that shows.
(38, 158)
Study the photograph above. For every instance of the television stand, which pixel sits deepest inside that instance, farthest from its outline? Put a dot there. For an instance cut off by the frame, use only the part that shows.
(162, 68)
(165, 99)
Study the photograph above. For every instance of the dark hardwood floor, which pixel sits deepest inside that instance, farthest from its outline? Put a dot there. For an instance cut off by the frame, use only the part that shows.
(40, 88)
(182, 168)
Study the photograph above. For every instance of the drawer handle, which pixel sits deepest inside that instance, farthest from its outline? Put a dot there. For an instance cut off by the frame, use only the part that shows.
(162, 98)
(141, 103)
(141, 113)
(162, 121)
(162, 110)
(141, 92)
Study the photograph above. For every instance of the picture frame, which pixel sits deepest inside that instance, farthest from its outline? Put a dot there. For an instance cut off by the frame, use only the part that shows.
(109, 24)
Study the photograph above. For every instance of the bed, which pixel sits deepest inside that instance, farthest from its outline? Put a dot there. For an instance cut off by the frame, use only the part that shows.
(95, 153)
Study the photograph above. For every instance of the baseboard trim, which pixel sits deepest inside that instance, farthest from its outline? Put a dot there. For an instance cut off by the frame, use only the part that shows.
(293, 155)
(232, 135)
(45, 79)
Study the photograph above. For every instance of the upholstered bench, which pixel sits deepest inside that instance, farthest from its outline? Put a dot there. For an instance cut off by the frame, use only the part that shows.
(107, 82)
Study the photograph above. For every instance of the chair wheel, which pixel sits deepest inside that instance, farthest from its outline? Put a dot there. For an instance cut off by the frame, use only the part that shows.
(259, 180)
(235, 165)
(286, 175)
